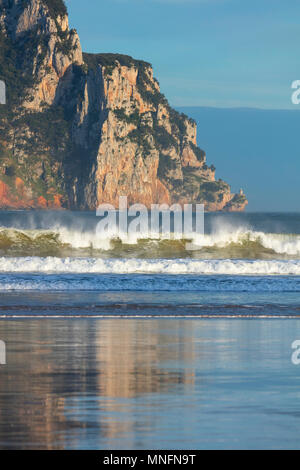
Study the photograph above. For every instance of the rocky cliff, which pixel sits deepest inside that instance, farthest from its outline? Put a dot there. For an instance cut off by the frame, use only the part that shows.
(82, 129)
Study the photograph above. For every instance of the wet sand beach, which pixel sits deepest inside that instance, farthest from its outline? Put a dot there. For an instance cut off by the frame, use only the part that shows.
(159, 383)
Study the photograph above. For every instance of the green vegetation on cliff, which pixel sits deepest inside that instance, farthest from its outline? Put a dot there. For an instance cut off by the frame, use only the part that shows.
(32, 143)
(56, 8)
(17, 79)
(110, 61)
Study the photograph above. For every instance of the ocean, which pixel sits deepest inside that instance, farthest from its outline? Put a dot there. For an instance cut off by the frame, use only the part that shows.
(138, 343)
(55, 263)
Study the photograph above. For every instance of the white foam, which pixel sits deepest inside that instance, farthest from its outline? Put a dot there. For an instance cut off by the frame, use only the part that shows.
(222, 236)
(158, 266)
(283, 244)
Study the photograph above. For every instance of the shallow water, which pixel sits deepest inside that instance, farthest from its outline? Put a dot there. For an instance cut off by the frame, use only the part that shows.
(237, 301)
(143, 344)
(139, 384)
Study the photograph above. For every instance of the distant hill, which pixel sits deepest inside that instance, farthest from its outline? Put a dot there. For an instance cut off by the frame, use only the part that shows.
(257, 149)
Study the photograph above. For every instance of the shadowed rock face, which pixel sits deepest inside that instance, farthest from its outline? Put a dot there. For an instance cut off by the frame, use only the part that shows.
(82, 129)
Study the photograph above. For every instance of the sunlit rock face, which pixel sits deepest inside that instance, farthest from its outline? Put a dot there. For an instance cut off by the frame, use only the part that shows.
(82, 129)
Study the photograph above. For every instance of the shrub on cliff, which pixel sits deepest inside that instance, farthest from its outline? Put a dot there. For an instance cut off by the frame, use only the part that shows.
(56, 8)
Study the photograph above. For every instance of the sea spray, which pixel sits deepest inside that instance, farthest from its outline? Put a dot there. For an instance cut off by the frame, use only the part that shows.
(64, 241)
(152, 266)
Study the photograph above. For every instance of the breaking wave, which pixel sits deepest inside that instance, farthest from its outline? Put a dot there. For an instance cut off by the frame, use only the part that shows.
(225, 243)
(149, 266)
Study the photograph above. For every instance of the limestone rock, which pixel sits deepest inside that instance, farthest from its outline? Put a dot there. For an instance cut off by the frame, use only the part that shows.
(80, 129)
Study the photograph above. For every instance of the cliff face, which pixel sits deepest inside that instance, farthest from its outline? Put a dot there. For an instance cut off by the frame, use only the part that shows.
(82, 129)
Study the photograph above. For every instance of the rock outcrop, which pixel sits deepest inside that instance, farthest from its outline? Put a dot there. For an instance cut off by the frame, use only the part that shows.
(82, 129)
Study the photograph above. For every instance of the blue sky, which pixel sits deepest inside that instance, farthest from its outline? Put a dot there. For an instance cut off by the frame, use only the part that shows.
(257, 150)
(223, 53)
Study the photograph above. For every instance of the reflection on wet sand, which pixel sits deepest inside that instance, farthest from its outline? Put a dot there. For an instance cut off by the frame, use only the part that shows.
(130, 358)
(66, 379)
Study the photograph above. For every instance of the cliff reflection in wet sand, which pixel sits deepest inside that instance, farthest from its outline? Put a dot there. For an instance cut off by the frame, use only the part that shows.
(68, 380)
